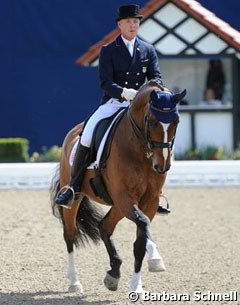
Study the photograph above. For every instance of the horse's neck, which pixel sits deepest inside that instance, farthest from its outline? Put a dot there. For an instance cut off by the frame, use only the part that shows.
(132, 147)
(142, 98)
(140, 104)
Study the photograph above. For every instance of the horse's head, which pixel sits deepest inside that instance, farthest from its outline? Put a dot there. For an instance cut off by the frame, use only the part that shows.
(156, 112)
(161, 122)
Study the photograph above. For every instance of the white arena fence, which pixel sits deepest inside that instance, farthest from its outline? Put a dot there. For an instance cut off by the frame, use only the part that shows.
(181, 174)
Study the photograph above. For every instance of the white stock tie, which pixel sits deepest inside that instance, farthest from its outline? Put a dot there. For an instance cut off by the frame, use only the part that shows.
(130, 47)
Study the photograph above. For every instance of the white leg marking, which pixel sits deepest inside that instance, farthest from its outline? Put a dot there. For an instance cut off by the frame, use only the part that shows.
(72, 274)
(155, 261)
(152, 251)
(136, 283)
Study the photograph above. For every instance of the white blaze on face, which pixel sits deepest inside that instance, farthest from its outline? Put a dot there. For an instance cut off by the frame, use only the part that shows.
(165, 140)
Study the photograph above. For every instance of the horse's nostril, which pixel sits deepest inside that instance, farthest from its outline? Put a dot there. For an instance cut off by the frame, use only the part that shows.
(157, 168)
(160, 170)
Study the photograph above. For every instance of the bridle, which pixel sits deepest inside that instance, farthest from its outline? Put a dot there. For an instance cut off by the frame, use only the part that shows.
(145, 135)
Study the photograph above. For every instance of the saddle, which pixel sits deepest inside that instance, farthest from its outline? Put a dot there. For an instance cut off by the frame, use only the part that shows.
(100, 130)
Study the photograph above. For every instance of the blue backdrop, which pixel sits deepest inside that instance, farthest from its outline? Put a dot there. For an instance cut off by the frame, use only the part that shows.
(42, 92)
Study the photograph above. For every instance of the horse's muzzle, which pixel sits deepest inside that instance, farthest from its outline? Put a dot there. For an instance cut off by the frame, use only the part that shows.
(160, 170)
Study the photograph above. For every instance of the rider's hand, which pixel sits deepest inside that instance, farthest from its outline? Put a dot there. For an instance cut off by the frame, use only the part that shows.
(128, 94)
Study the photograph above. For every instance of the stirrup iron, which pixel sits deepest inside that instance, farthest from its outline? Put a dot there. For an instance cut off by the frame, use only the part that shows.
(164, 210)
(70, 203)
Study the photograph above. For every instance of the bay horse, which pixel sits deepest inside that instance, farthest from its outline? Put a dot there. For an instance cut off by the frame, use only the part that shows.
(134, 174)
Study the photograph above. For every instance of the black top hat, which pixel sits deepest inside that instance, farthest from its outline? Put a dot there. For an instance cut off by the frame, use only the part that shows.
(128, 11)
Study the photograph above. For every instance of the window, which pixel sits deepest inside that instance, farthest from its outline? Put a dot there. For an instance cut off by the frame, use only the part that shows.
(192, 75)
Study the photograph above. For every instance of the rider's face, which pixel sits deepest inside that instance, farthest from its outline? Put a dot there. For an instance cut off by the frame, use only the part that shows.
(129, 27)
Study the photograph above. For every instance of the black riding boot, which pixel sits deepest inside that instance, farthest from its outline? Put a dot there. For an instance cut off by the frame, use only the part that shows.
(77, 174)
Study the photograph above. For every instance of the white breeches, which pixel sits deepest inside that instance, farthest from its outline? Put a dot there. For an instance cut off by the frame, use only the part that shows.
(103, 111)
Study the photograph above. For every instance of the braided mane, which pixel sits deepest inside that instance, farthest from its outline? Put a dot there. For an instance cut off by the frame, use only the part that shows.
(151, 83)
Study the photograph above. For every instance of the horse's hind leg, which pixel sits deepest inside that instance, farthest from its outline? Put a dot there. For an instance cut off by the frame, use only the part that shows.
(106, 228)
(69, 232)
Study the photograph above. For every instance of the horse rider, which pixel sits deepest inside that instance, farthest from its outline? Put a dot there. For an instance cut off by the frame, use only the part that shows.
(124, 65)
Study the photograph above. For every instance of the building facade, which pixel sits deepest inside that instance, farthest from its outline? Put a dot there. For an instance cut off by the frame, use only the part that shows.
(189, 40)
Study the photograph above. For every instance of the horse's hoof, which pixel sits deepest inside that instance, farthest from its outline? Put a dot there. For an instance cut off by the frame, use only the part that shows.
(76, 288)
(140, 291)
(111, 282)
(141, 294)
(156, 265)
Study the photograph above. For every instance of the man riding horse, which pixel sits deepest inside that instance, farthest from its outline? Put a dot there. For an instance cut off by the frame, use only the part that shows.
(124, 66)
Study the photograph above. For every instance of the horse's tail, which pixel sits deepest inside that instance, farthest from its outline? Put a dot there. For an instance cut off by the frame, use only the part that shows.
(54, 189)
(88, 217)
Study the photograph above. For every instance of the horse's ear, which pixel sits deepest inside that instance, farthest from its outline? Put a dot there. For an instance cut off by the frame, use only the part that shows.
(153, 95)
(177, 97)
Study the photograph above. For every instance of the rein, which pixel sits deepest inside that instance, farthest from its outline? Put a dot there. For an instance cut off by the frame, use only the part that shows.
(154, 144)
(145, 137)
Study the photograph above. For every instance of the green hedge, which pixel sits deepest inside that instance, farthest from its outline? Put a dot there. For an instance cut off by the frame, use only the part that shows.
(51, 154)
(14, 150)
(209, 153)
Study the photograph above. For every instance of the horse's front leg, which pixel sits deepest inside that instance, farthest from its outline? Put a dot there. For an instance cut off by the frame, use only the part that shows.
(70, 232)
(143, 243)
(155, 261)
(106, 228)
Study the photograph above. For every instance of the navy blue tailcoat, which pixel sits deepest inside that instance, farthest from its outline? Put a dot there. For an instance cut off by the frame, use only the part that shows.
(118, 69)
